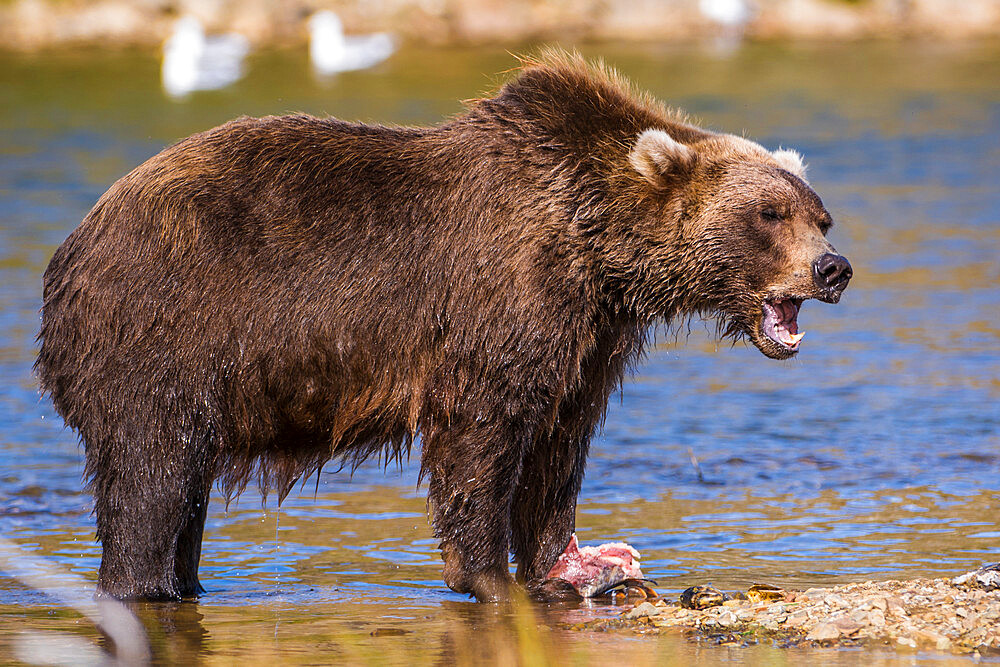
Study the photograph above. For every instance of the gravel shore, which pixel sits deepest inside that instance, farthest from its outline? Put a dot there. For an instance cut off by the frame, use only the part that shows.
(959, 616)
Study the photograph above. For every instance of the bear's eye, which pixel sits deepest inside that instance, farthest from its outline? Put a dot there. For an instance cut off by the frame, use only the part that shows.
(771, 214)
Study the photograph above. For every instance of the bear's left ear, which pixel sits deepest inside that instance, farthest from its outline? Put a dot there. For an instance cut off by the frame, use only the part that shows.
(790, 161)
(660, 158)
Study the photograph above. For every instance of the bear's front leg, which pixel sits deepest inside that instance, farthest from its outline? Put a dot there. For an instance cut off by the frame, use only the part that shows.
(473, 470)
(544, 513)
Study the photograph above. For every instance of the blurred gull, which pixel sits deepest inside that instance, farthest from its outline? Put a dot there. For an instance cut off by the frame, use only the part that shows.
(731, 14)
(731, 17)
(192, 61)
(331, 51)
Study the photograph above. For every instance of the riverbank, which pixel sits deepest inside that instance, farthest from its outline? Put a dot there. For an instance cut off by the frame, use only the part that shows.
(28, 25)
(954, 616)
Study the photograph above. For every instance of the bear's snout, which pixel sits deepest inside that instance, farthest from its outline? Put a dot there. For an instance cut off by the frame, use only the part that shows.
(831, 273)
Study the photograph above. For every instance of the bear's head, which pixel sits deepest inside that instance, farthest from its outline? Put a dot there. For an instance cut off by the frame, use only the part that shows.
(732, 229)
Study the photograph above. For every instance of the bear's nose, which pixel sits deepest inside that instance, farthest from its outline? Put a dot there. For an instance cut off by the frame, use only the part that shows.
(832, 272)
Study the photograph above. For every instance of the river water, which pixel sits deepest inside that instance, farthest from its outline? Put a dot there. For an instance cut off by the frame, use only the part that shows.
(875, 454)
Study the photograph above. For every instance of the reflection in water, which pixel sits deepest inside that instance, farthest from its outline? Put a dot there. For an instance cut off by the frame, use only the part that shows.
(874, 454)
(176, 630)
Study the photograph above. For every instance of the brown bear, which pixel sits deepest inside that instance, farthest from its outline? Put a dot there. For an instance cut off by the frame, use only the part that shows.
(273, 293)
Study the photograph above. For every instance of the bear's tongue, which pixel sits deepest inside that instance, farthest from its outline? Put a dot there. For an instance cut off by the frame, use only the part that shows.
(780, 322)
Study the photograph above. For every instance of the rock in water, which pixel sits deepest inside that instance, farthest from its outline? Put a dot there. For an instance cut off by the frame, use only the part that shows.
(593, 570)
(986, 578)
(702, 597)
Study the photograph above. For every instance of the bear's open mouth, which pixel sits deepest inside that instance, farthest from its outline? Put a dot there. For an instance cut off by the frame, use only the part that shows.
(779, 323)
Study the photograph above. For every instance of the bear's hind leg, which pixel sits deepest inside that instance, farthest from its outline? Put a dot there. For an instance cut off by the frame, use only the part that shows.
(188, 552)
(150, 518)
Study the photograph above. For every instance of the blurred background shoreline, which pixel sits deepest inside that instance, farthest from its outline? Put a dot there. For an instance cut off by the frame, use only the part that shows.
(33, 25)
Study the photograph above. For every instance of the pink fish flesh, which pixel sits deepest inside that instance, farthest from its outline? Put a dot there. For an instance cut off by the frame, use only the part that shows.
(592, 570)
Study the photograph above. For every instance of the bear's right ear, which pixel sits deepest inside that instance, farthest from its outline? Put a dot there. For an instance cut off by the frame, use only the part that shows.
(661, 159)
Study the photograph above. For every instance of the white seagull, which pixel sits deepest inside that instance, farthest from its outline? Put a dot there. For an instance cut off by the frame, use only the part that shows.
(332, 51)
(192, 61)
(732, 14)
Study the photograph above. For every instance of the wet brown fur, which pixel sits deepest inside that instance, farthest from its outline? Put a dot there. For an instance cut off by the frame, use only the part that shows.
(273, 293)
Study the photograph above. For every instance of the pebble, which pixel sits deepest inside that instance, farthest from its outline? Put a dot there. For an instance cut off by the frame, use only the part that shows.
(824, 632)
(727, 619)
(796, 619)
(834, 601)
(643, 610)
(860, 616)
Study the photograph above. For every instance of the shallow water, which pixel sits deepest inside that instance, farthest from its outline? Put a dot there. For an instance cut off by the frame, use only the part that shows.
(874, 454)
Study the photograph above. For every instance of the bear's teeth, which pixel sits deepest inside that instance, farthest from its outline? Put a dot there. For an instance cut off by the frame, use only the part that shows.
(786, 337)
